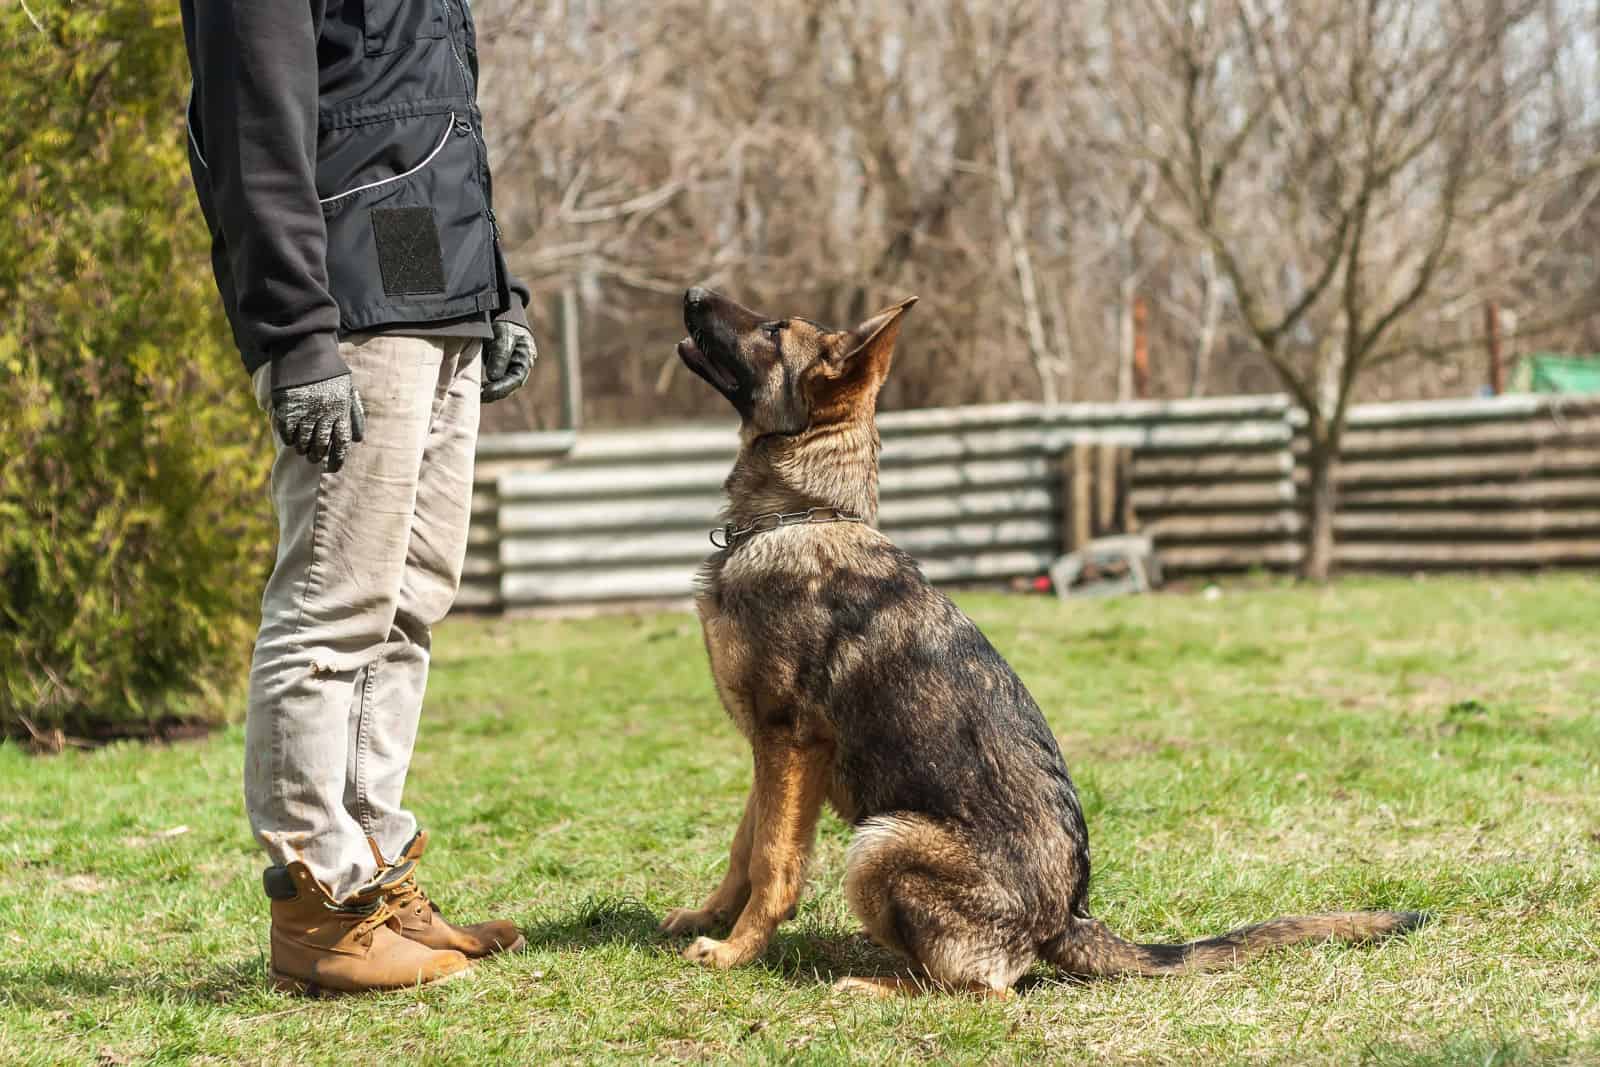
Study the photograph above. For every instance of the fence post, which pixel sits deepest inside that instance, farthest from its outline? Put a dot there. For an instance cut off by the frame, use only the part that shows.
(1076, 501)
(1497, 367)
(1141, 348)
(571, 370)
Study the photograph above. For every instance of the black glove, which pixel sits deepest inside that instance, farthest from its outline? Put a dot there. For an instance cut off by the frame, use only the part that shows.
(320, 420)
(506, 361)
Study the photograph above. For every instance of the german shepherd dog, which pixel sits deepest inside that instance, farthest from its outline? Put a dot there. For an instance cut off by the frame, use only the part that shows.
(858, 683)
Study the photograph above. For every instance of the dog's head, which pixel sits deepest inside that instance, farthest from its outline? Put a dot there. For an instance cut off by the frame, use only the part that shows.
(785, 376)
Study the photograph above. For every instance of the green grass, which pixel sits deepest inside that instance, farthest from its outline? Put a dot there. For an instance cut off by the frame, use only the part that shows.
(1399, 744)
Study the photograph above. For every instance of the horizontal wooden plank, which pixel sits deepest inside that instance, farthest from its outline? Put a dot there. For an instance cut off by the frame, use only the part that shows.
(1203, 559)
(1511, 407)
(578, 483)
(988, 566)
(1455, 440)
(620, 548)
(1153, 500)
(1249, 526)
(1200, 409)
(478, 595)
(701, 512)
(944, 448)
(947, 539)
(1464, 466)
(972, 474)
(704, 480)
(564, 517)
(684, 443)
(1163, 468)
(647, 546)
(482, 561)
(528, 588)
(1180, 438)
(1451, 526)
(486, 473)
(1548, 491)
(945, 420)
(900, 511)
(1404, 555)
(542, 444)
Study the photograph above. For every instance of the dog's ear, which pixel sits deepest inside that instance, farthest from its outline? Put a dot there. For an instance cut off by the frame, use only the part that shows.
(867, 349)
(854, 363)
(871, 344)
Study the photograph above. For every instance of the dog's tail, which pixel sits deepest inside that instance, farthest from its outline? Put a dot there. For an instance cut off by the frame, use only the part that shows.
(1090, 949)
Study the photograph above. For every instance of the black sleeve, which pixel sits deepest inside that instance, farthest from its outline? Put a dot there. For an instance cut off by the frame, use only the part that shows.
(256, 75)
(514, 297)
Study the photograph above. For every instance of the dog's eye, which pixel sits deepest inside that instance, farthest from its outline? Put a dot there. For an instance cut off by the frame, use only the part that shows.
(773, 329)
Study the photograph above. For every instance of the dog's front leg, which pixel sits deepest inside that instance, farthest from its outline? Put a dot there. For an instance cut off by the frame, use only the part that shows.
(790, 781)
(728, 899)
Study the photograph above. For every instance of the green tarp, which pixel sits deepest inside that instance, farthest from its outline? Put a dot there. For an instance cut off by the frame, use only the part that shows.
(1545, 372)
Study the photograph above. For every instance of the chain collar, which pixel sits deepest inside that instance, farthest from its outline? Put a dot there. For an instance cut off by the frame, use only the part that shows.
(763, 523)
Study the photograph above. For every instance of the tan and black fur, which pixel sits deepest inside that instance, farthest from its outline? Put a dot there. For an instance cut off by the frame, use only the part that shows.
(859, 684)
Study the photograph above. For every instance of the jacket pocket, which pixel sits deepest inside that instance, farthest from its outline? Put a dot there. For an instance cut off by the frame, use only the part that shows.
(379, 182)
(391, 25)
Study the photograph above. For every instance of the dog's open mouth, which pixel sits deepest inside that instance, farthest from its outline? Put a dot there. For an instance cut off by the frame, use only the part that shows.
(695, 358)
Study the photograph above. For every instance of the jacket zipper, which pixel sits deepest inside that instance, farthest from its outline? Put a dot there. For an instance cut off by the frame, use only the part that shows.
(480, 149)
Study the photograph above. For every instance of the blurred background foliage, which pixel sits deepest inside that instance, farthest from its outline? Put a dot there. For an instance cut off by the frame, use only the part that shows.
(134, 529)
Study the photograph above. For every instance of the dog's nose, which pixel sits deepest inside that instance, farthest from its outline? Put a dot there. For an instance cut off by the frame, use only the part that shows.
(696, 297)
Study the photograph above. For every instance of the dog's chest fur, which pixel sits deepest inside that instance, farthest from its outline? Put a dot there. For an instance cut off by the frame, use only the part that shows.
(767, 612)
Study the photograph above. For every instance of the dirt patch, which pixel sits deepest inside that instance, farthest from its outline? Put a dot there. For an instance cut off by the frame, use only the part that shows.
(84, 883)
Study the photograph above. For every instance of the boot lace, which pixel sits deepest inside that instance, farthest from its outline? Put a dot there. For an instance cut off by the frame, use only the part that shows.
(379, 914)
(405, 893)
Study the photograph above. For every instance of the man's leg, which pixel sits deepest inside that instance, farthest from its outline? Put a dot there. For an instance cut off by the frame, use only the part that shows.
(383, 720)
(388, 702)
(329, 609)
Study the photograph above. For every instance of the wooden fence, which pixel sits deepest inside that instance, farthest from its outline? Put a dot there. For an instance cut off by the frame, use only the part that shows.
(977, 493)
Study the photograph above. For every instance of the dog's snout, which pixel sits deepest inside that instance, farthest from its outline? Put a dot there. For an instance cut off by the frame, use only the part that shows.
(697, 297)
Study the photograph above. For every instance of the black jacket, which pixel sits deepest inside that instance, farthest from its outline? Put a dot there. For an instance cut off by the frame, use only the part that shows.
(338, 153)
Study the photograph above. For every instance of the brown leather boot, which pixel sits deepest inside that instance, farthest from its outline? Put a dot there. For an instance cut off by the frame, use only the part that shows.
(320, 947)
(421, 922)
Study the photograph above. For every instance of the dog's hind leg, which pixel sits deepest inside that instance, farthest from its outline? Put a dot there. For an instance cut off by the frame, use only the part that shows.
(920, 890)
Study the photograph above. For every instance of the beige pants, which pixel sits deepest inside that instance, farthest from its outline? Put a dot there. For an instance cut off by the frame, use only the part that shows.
(368, 560)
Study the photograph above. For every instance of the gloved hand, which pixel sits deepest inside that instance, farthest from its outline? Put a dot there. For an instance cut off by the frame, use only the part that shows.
(506, 361)
(320, 420)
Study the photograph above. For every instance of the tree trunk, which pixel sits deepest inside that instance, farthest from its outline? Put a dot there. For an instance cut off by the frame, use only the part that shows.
(1211, 312)
(1125, 337)
(1322, 459)
(1012, 211)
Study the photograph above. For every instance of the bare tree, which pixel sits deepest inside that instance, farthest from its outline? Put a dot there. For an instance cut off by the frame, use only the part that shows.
(1030, 167)
(1342, 164)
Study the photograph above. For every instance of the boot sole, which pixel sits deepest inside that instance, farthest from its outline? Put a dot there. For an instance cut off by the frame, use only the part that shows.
(516, 946)
(306, 987)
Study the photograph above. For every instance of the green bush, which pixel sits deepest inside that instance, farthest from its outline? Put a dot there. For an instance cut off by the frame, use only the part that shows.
(134, 526)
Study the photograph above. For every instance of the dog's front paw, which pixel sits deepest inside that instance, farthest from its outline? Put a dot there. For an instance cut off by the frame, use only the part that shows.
(688, 921)
(710, 952)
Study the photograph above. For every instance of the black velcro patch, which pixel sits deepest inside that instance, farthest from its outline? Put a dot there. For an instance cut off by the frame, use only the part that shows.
(408, 250)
